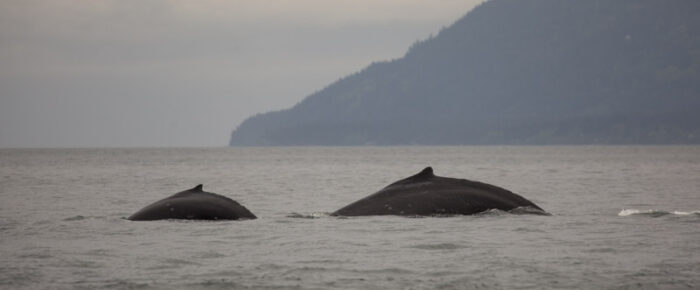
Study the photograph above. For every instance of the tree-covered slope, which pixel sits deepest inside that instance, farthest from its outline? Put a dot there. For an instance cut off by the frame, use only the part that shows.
(517, 72)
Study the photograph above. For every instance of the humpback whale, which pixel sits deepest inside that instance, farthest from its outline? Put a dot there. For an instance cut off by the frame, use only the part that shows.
(193, 204)
(425, 194)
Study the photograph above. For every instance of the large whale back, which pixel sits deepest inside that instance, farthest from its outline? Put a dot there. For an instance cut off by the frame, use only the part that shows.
(425, 194)
(195, 204)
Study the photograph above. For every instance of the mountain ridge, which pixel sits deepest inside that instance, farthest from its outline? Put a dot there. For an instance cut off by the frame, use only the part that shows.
(516, 72)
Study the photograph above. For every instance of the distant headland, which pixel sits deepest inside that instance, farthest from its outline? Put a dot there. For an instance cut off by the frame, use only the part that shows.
(516, 72)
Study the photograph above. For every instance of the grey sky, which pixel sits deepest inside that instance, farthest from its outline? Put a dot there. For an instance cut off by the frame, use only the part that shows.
(185, 73)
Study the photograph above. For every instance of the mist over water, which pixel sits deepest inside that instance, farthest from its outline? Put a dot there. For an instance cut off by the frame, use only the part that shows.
(622, 217)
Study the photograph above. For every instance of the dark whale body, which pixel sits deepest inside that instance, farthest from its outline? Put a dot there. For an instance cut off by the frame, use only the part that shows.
(193, 204)
(425, 194)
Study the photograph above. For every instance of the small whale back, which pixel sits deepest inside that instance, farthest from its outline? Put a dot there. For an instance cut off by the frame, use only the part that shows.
(196, 204)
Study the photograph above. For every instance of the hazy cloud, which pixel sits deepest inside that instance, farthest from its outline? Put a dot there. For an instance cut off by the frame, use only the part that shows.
(184, 73)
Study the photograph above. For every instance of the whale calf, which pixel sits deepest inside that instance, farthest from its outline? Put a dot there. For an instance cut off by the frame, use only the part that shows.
(193, 204)
(425, 194)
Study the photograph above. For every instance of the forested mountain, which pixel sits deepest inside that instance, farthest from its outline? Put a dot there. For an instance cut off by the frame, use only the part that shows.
(517, 72)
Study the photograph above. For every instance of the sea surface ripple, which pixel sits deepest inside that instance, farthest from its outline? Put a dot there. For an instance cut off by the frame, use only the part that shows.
(623, 217)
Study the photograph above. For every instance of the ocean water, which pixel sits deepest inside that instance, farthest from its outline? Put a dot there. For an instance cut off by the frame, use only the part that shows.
(623, 217)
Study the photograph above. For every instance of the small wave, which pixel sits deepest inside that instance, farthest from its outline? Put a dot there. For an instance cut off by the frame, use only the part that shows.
(697, 212)
(74, 218)
(528, 230)
(313, 215)
(172, 263)
(440, 246)
(223, 283)
(36, 256)
(655, 213)
(82, 217)
(120, 284)
(601, 250)
(644, 212)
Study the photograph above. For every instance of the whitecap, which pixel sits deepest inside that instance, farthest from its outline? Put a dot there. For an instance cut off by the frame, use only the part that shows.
(313, 215)
(646, 212)
(655, 213)
(696, 212)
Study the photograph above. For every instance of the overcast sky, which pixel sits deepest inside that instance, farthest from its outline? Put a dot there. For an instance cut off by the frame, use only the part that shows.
(185, 73)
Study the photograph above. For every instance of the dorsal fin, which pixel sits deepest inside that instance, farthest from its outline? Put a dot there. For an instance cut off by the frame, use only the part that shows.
(425, 173)
(197, 188)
